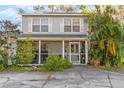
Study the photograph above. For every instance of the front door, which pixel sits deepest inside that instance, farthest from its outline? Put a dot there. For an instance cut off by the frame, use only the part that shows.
(75, 52)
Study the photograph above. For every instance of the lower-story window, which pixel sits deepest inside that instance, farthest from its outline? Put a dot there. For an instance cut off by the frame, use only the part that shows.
(44, 51)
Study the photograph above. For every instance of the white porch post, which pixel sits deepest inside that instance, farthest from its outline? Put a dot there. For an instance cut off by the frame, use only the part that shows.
(86, 52)
(70, 51)
(63, 48)
(39, 52)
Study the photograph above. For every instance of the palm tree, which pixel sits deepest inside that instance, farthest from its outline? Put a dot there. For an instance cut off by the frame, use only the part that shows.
(106, 36)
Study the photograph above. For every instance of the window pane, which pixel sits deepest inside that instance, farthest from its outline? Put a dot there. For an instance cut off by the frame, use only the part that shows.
(44, 28)
(44, 25)
(36, 21)
(76, 22)
(44, 51)
(76, 28)
(67, 29)
(75, 58)
(76, 25)
(36, 25)
(44, 47)
(36, 28)
(67, 22)
(67, 25)
(44, 21)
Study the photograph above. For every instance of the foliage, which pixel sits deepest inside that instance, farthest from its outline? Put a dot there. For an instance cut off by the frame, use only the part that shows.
(118, 68)
(17, 68)
(56, 9)
(56, 63)
(2, 67)
(84, 10)
(25, 53)
(38, 8)
(21, 11)
(105, 37)
(67, 8)
(6, 25)
(122, 46)
(8, 35)
(2, 64)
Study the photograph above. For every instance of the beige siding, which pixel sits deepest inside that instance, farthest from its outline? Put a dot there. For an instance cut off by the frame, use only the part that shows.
(25, 22)
(29, 25)
(55, 24)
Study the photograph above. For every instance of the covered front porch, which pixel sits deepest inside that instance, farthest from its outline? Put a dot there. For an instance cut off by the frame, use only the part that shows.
(76, 51)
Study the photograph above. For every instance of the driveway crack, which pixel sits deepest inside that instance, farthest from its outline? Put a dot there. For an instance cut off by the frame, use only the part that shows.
(110, 81)
(8, 78)
(82, 77)
(44, 83)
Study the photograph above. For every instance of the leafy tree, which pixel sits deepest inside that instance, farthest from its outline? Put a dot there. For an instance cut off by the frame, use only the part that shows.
(105, 36)
(8, 36)
(38, 8)
(83, 8)
(6, 25)
(25, 53)
(67, 8)
(21, 11)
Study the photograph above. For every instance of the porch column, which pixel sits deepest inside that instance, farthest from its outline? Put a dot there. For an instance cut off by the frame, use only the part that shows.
(39, 52)
(86, 52)
(63, 49)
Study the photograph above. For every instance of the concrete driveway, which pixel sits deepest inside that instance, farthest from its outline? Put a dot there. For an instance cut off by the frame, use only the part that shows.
(77, 77)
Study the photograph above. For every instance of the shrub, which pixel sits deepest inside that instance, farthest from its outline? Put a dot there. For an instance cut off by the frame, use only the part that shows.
(56, 63)
(25, 54)
(2, 67)
(14, 67)
(2, 63)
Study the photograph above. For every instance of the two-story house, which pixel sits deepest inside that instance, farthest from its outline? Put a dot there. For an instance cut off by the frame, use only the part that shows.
(62, 34)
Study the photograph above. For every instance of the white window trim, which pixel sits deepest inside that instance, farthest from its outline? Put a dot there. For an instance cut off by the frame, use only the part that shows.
(40, 24)
(32, 24)
(72, 23)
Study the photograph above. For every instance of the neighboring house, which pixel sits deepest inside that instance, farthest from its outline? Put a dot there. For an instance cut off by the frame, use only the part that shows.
(62, 34)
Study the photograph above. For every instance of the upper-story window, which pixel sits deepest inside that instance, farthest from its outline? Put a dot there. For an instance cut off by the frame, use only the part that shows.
(44, 25)
(76, 25)
(36, 25)
(67, 25)
(72, 25)
(40, 25)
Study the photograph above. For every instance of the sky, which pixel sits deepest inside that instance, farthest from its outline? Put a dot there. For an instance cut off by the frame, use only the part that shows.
(10, 12)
